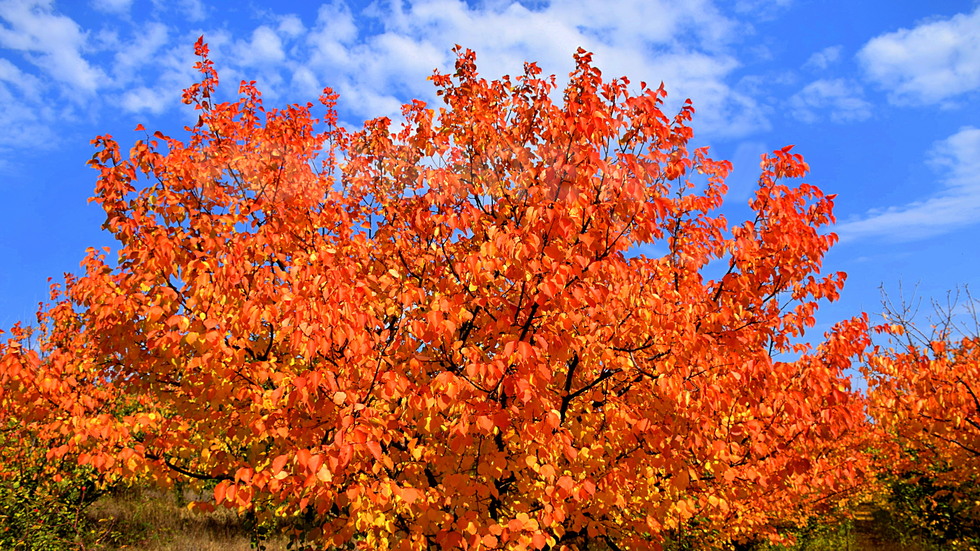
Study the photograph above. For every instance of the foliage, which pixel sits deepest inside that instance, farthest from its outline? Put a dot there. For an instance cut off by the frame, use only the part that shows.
(449, 334)
(38, 513)
(927, 398)
(944, 516)
(923, 392)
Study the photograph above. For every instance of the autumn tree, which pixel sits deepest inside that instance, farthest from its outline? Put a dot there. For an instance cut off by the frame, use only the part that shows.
(504, 323)
(924, 391)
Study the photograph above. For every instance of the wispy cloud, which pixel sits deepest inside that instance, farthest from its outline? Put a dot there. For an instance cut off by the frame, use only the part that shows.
(839, 100)
(955, 205)
(743, 180)
(149, 70)
(933, 62)
(685, 44)
(25, 125)
(762, 9)
(57, 71)
(146, 100)
(265, 47)
(192, 10)
(824, 58)
(141, 51)
(378, 55)
(52, 42)
(12, 75)
(112, 6)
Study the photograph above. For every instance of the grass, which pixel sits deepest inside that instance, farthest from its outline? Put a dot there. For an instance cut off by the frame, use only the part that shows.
(154, 520)
(151, 520)
(872, 529)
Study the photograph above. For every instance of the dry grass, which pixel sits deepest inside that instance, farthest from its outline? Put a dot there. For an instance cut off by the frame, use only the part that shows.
(153, 520)
(150, 520)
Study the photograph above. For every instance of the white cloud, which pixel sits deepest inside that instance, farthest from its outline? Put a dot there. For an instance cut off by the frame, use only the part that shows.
(291, 26)
(744, 178)
(955, 206)
(146, 100)
(371, 103)
(112, 6)
(824, 58)
(931, 63)
(379, 56)
(52, 42)
(192, 10)
(335, 22)
(959, 156)
(27, 84)
(264, 48)
(761, 5)
(142, 51)
(684, 44)
(839, 98)
(762, 10)
(34, 84)
(149, 75)
(305, 83)
(24, 124)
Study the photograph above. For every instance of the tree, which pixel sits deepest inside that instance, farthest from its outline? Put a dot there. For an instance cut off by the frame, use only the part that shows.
(449, 333)
(924, 393)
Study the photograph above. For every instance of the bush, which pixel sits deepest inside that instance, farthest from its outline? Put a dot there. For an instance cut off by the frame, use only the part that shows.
(38, 513)
(922, 509)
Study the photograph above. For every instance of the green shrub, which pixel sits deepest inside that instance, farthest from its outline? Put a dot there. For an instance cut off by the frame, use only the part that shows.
(922, 509)
(38, 513)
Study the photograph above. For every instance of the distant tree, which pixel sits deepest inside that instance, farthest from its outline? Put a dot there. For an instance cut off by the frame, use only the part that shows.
(448, 333)
(44, 492)
(925, 393)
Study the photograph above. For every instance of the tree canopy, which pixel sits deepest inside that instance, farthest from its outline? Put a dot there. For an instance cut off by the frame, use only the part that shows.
(507, 322)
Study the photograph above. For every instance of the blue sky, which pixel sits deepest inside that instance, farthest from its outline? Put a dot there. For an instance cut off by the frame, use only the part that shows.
(880, 96)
